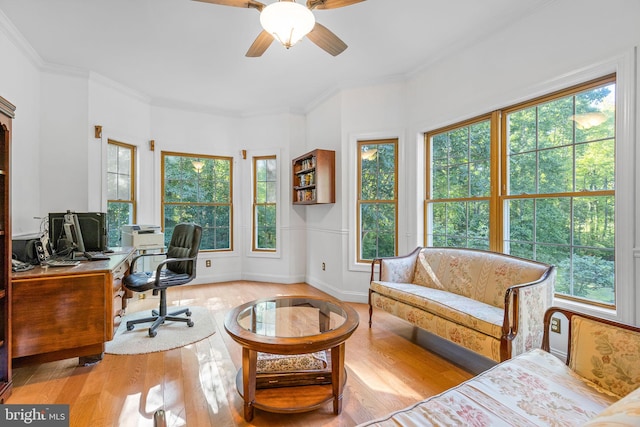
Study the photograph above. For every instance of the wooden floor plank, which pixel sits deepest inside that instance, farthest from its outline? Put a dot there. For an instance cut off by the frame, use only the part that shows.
(387, 366)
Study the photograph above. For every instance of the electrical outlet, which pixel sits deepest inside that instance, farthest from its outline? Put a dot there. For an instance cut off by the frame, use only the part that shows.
(207, 263)
(323, 266)
(555, 325)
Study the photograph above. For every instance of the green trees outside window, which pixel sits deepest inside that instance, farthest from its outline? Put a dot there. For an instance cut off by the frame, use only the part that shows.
(377, 199)
(121, 201)
(560, 197)
(549, 195)
(198, 189)
(264, 203)
(460, 185)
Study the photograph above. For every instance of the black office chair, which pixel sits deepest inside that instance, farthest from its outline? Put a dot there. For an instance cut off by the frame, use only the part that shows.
(178, 268)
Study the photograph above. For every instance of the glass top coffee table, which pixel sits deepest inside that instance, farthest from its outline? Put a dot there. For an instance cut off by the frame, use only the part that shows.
(291, 325)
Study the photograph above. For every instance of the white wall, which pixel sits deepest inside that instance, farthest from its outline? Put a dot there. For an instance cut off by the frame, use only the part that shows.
(20, 85)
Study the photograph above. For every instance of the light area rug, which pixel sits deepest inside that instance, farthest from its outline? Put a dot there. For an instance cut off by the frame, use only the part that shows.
(170, 334)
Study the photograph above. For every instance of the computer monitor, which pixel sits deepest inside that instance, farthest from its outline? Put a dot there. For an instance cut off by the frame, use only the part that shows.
(93, 226)
(73, 232)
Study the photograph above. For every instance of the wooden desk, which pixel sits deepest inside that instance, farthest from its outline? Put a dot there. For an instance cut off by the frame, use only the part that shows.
(63, 312)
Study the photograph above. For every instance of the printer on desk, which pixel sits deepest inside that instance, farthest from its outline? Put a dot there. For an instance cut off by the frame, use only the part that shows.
(142, 236)
(146, 239)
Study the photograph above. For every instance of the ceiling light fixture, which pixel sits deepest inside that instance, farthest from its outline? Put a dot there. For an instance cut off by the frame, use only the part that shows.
(589, 120)
(287, 21)
(197, 165)
(368, 153)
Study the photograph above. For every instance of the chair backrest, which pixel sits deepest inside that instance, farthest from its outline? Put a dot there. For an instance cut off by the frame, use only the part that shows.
(185, 243)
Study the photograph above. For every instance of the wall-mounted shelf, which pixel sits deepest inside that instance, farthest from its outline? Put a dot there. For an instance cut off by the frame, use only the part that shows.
(314, 178)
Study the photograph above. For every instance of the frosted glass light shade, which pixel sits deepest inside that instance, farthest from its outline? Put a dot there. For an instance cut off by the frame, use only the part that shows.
(287, 21)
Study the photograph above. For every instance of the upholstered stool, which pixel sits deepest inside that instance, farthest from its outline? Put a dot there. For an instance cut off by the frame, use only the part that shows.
(281, 370)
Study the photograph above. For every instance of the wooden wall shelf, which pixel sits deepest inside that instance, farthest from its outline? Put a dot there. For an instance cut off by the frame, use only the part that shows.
(314, 178)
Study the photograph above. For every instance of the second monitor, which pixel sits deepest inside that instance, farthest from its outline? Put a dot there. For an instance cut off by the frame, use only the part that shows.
(93, 228)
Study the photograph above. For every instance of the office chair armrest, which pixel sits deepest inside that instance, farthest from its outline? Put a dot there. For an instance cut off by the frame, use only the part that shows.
(168, 260)
(135, 258)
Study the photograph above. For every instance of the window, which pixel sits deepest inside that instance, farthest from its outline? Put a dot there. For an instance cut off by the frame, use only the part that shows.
(121, 202)
(377, 208)
(198, 188)
(560, 176)
(550, 196)
(264, 203)
(459, 192)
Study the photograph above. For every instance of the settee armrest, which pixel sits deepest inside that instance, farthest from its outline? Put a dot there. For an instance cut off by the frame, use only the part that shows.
(397, 269)
(524, 308)
(602, 351)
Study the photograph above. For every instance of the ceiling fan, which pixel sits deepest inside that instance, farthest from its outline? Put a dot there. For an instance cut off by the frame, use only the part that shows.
(289, 22)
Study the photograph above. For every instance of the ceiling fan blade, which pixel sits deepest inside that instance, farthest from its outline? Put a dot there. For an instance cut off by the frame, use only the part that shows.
(330, 4)
(326, 40)
(237, 3)
(260, 44)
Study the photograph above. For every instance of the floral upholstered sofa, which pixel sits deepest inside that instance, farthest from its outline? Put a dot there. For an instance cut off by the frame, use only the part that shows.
(597, 386)
(490, 303)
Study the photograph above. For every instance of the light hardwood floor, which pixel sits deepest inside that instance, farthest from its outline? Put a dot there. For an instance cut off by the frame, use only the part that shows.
(387, 369)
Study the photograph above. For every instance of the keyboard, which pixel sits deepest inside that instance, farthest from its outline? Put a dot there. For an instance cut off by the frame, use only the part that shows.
(62, 263)
(96, 256)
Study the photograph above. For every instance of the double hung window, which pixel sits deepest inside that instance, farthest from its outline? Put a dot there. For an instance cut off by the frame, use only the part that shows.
(121, 201)
(198, 188)
(377, 208)
(535, 180)
(264, 203)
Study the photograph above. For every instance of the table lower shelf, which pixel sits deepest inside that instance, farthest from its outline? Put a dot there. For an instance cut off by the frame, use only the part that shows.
(283, 400)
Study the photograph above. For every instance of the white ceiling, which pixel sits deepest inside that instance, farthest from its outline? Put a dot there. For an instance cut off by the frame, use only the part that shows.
(191, 54)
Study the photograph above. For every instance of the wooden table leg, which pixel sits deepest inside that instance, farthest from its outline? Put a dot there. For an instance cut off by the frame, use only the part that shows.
(337, 376)
(249, 361)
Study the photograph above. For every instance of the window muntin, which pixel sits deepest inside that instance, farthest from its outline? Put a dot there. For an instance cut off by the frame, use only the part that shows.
(552, 190)
(121, 203)
(560, 188)
(264, 203)
(459, 192)
(198, 188)
(377, 208)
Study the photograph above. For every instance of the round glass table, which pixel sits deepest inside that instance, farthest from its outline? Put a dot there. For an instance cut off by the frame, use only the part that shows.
(297, 326)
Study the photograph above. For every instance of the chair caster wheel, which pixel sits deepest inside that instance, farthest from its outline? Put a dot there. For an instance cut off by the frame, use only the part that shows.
(190, 324)
(153, 333)
(188, 313)
(130, 327)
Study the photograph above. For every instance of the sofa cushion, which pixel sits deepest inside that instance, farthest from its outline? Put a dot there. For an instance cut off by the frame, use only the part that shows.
(424, 274)
(478, 342)
(268, 362)
(456, 308)
(625, 412)
(532, 389)
(479, 275)
(606, 355)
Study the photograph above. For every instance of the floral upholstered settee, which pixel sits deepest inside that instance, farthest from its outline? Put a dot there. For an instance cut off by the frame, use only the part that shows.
(487, 302)
(598, 385)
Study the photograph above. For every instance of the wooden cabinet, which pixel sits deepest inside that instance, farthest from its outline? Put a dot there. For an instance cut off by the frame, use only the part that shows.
(314, 178)
(6, 115)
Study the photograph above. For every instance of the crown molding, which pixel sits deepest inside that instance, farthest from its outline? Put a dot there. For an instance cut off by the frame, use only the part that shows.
(124, 89)
(18, 40)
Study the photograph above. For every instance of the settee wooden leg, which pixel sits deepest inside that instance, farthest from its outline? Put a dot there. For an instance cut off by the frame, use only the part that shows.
(370, 314)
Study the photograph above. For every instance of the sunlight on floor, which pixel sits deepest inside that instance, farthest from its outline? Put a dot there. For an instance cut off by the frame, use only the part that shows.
(382, 384)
